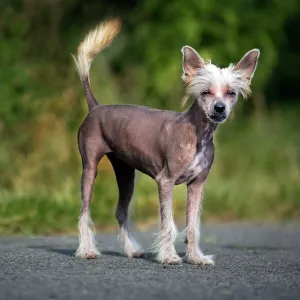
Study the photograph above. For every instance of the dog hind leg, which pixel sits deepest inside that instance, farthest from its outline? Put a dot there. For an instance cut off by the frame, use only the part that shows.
(125, 179)
(91, 155)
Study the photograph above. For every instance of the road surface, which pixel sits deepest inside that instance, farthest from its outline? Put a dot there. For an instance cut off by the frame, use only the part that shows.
(252, 262)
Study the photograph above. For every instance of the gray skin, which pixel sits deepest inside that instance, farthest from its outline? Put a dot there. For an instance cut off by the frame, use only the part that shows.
(151, 141)
(171, 147)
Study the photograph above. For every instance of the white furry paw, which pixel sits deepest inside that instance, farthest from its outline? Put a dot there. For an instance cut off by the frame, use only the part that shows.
(171, 260)
(131, 247)
(200, 260)
(88, 254)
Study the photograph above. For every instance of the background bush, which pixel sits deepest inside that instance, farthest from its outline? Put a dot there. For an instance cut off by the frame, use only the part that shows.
(256, 171)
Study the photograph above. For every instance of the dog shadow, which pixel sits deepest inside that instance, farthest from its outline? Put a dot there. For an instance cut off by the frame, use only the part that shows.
(149, 256)
(66, 252)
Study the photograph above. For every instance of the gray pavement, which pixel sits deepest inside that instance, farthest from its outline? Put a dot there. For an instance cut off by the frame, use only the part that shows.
(252, 262)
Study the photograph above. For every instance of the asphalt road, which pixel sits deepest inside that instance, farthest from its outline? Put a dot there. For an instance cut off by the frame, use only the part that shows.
(252, 262)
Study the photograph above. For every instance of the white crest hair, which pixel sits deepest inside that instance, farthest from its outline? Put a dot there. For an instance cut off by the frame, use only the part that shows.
(210, 75)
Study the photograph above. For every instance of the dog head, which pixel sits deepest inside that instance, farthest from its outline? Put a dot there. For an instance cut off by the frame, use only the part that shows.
(217, 89)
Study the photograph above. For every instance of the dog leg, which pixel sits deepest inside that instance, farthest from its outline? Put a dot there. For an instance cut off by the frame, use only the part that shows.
(125, 179)
(87, 244)
(194, 202)
(91, 155)
(164, 244)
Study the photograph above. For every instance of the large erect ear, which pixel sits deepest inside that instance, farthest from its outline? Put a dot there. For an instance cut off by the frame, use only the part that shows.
(248, 64)
(191, 61)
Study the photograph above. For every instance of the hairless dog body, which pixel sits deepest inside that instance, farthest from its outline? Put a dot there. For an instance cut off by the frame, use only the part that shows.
(171, 147)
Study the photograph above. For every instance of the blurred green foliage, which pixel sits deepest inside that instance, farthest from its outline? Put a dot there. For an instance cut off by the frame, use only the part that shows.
(256, 171)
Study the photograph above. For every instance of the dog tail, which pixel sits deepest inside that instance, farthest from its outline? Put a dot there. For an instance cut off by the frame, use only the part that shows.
(95, 41)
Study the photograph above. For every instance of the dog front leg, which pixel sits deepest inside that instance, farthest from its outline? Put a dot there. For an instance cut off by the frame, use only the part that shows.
(194, 203)
(164, 244)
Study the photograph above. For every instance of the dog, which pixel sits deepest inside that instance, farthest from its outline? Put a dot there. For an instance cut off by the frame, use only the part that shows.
(171, 147)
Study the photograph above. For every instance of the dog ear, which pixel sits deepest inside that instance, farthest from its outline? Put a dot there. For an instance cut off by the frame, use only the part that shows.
(248, 64)
(191, 61)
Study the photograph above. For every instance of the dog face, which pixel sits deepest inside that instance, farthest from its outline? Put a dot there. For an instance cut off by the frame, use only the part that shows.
(217, 89)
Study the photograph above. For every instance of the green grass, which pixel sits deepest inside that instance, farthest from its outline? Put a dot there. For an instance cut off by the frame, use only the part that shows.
(255, 176)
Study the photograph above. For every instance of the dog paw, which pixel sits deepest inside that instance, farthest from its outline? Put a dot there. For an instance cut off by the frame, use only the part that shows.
(200, 260)
(172, 260)
(136, 254)
(92, 255)
(88, 254)
(133, 250)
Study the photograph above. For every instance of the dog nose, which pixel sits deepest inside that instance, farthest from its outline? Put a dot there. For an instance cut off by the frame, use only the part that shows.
(219, 107)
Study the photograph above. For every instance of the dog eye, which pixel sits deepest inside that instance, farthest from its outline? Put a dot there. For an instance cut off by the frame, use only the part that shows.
(231, 93)
(206, 92)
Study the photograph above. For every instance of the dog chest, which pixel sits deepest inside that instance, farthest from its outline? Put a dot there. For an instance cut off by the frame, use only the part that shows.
(198, 164)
